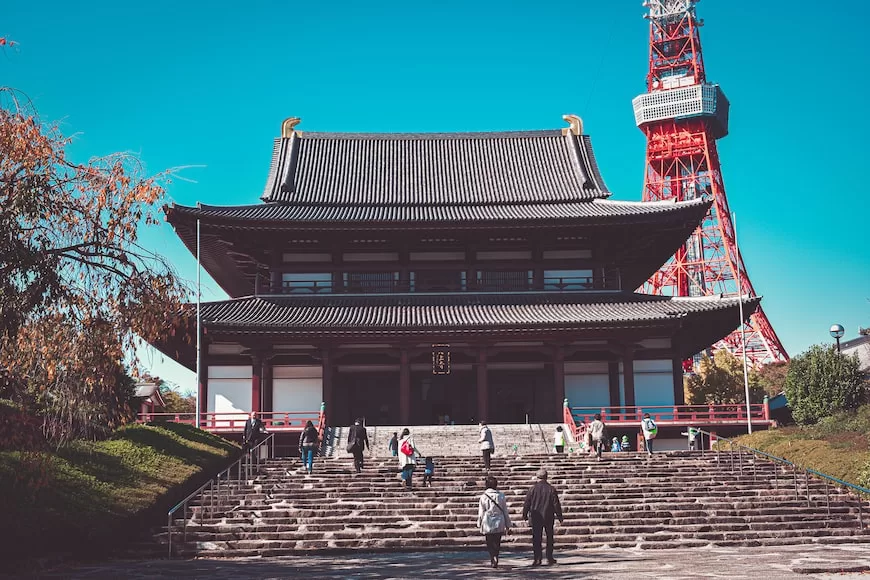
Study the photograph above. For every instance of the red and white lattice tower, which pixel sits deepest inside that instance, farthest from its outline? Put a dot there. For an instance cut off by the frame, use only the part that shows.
(682, 115)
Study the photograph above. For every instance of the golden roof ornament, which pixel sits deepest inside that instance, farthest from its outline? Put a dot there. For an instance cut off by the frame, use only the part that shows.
(575, 125)
(287, 126)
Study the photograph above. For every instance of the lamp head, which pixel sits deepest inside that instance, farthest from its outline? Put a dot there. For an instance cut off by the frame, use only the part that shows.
(837, 330)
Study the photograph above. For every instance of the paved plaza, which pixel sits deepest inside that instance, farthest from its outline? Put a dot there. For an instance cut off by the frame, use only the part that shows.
(811, 561)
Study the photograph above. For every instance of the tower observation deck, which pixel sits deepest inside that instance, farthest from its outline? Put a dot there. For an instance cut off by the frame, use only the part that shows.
(682, 116)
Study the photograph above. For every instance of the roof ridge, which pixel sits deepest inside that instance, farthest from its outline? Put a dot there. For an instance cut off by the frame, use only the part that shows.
(533, 133)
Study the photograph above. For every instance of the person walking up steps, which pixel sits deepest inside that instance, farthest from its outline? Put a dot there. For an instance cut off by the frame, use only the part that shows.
(542, 505)
(487, 446)
(357, 442)
(559, 440)
(597, 433)
(650, 430)
(394, 445)
(308, 445)
(407, 453)
(493, 519)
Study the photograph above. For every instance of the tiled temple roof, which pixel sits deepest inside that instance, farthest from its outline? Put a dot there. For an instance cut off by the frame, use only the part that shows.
(459, 312)
(433, 169)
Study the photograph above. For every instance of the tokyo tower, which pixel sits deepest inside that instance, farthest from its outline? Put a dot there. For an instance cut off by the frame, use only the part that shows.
(682, 116)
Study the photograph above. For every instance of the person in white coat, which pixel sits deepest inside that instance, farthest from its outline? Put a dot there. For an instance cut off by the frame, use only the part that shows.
(487, 446)
(493, 518)
(559, 440)
(407, 456)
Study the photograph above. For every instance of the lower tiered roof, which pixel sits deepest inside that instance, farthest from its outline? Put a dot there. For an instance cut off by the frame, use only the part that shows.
(694, 322)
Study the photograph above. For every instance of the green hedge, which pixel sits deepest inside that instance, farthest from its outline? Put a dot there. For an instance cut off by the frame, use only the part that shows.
(89, 496)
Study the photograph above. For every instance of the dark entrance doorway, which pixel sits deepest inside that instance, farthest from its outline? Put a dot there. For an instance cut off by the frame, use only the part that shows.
(373, 394)
(521, 393)
(434, 396)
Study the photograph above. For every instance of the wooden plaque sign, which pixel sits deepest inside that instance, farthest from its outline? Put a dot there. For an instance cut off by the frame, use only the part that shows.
(440, 359)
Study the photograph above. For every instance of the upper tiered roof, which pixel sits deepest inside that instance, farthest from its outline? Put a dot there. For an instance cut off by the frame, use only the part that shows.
(398, 180)
(433, 169)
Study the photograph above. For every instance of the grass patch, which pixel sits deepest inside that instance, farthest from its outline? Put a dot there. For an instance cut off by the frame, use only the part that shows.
(90, 495)
(838, 445)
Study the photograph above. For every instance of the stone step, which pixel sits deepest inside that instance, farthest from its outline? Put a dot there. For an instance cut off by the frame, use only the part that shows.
(522, 542)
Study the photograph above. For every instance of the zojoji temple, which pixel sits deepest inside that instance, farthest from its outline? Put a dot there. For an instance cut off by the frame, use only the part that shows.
(405, 277)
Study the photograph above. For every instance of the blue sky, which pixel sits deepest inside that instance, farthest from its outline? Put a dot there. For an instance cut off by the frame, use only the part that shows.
(205, 85)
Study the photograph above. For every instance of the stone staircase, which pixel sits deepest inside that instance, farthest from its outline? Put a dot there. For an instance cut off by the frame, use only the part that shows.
(460, 440)
(673, 500)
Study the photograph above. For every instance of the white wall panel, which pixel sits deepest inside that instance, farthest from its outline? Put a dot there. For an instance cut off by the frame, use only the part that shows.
(297, 389)
(230, 372)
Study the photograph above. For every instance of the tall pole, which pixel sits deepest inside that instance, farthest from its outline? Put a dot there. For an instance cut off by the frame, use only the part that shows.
(198, 329)
(838, 344)
(742, 326)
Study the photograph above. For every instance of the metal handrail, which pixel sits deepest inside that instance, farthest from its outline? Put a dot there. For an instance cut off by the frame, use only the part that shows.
(679, 414)
(244, 463)
(859, 490)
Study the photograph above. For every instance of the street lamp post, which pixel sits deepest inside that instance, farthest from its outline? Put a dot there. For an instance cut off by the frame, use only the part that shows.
(837, 331)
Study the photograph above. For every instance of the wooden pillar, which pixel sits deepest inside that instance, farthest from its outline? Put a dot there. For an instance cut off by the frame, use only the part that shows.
(256, 391)
(538, 260)
(404, 388)
(559, 380)
(613, 382)
(268, 382)
(628, 376)
(328, 392)
(482, 386)
(276, 282)
(203, 382)
(679, 392)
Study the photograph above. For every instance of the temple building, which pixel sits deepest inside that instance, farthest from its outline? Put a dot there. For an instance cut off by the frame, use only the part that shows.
(409, 277)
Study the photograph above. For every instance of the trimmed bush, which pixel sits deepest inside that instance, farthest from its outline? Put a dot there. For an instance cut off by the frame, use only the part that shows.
(821, 382)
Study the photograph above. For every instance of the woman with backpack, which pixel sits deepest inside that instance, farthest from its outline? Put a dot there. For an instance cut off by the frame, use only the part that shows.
(308, 445)
(650, 430)
(407, 462)
(492, 518)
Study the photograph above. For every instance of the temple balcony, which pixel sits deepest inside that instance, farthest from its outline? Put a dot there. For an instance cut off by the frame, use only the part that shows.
(483, 281)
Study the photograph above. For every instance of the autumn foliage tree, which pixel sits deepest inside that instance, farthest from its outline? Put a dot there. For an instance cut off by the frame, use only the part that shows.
(77, 289)
(720, 380)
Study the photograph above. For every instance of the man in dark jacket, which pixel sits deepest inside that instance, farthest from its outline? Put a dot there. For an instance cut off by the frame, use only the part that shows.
(253, 429)
(357, 442)
(542, 504)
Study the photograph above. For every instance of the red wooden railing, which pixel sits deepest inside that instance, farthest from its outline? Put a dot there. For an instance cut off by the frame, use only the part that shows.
(275, 421)
(696, 415)
(568, 420)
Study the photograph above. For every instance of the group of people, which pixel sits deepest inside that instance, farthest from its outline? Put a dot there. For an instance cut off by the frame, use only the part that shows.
(541, 509)
(596, 439)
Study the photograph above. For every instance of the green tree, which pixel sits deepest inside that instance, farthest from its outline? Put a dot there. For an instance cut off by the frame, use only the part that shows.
(771, 378)
(720, 380)
(820, 382)
(177, 402)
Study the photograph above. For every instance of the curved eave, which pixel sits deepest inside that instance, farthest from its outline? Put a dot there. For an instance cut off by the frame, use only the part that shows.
(693, 323)
(283, 217)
